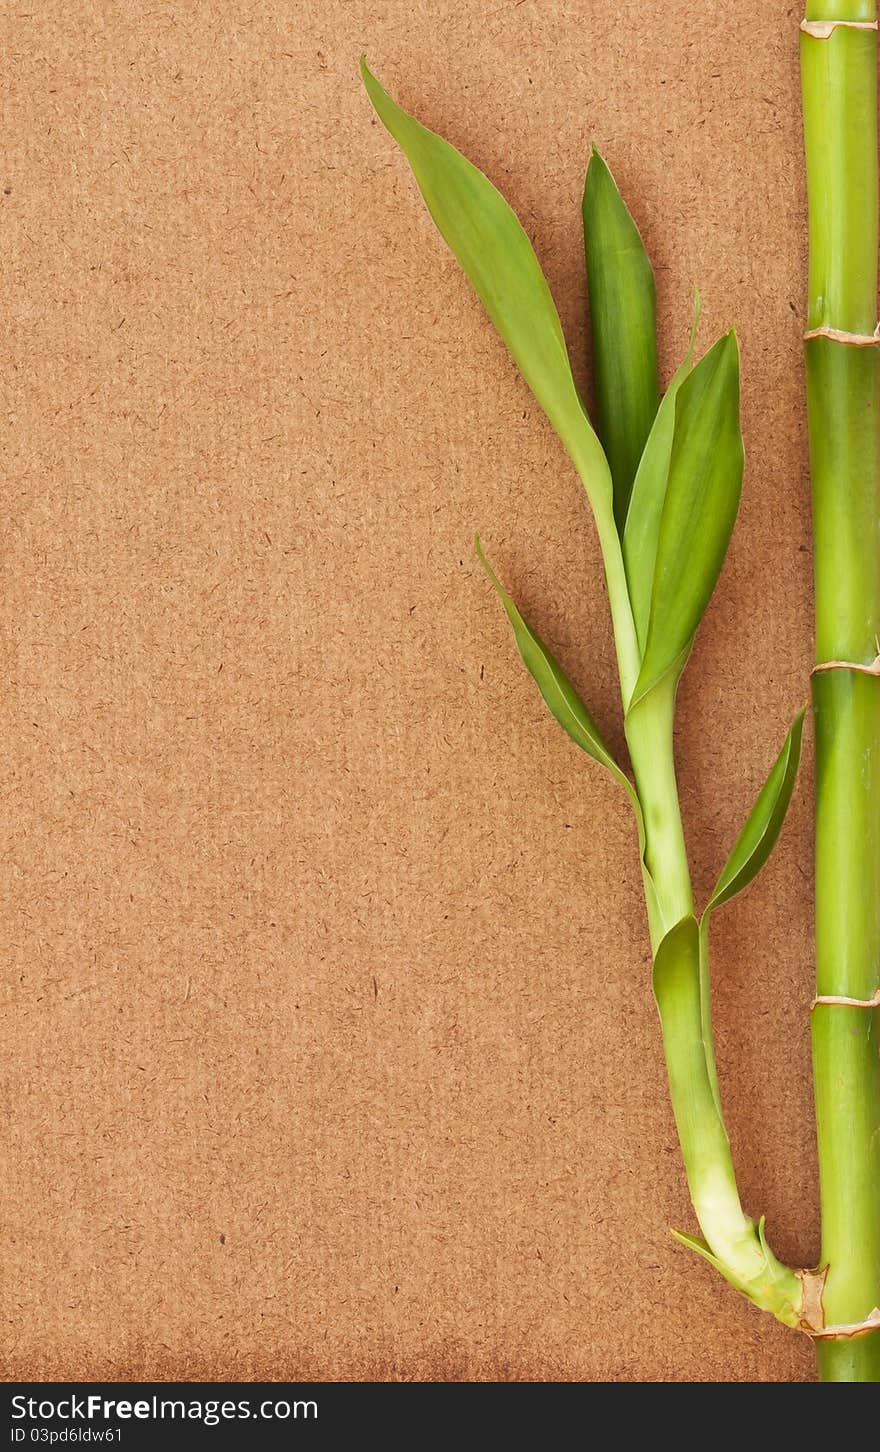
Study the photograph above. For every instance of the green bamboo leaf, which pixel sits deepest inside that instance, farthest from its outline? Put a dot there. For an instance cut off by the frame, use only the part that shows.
(751, 850)
(568, 708)
(649, 491)
(702, 498)
(494, 251)
(620, 282)
(556, 688)
(764, 823)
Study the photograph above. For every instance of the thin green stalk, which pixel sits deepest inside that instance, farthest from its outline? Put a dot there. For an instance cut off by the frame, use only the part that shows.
(649, 734)
(733, 1243)
(839, 72)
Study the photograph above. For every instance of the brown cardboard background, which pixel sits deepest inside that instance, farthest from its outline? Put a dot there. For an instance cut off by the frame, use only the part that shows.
(329, 1049)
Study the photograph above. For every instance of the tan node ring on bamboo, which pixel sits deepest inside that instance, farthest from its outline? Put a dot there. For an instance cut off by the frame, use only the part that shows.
(839, 335)
(846, 1331)
(812, 1321)
(844, 1002)
(848, 665)
(822, 29)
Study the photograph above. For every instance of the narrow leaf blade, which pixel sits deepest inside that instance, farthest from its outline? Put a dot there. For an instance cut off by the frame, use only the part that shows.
(559, 694)
(620, 281)
(485, 235)
(764, 822)
(649, 491)
(699, 510)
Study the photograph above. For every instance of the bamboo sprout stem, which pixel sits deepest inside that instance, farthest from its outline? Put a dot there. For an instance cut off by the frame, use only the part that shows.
(736, 1245)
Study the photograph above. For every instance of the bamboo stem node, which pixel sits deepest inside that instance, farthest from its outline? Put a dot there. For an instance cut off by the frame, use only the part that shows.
(840, 998)
(849, 665)
(846, 1331)
(840, 335)
(823, 29)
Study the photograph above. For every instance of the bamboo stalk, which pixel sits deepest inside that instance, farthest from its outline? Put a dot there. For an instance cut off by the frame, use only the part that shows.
(663, 535)
(839, 67)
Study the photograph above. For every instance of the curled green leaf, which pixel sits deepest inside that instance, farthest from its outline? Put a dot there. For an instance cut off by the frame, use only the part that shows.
(566, 705)
(699, 509)
(678, 990)
(764, 822)
(620, 281)
(751, 850)
(553, 683)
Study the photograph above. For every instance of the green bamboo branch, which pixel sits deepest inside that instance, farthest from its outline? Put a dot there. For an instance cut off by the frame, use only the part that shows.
(663, 480)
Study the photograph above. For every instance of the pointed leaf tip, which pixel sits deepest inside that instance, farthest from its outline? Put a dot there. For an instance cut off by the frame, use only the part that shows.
(367, 76)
